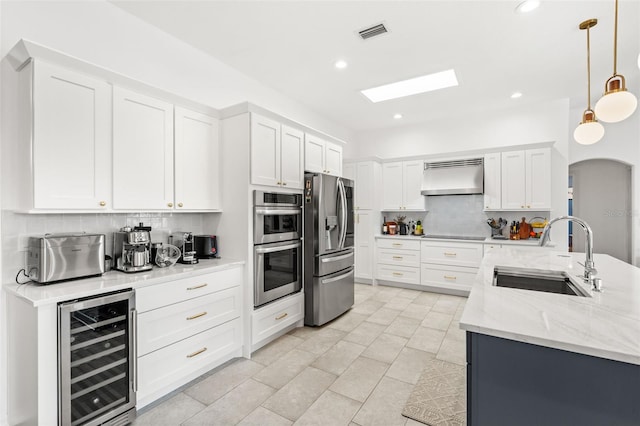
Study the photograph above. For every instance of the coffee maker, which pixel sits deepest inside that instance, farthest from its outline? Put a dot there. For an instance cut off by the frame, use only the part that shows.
(185, 242)
(131, 250)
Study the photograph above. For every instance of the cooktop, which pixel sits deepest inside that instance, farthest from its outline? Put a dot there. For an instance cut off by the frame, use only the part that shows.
(456, 237)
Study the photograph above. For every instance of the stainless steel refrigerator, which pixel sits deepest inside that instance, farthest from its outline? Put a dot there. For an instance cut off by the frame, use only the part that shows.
(328, 247)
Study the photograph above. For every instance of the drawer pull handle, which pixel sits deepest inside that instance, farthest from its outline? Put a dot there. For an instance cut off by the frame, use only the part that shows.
(396, 244)
(450, 254)
(279, 317)
(201, 314)
(197, 352)
(399, 274)
(397, 257)
(197, 286)
(449, 277)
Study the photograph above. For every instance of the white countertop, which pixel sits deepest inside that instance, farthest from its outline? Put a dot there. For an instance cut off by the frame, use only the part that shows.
(606, 325)
(487, 240)
(40, 294)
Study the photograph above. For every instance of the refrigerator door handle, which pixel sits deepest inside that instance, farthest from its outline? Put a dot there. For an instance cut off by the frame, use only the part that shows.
(343, 216)
(338, 278)
(337, 258)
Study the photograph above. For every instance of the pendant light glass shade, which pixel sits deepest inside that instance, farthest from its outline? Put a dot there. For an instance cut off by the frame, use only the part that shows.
(589, 131)
(616, 104)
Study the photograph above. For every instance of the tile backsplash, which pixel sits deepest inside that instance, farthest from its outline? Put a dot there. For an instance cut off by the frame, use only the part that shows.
(17, 228)
(460, 215)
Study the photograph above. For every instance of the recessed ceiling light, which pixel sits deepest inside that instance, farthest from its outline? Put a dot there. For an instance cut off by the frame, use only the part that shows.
(516, 95)
(340, 64)
(413, 86)
(397, 116)
(527, 6)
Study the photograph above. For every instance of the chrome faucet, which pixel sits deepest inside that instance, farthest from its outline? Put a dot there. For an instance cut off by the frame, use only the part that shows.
(589, 267)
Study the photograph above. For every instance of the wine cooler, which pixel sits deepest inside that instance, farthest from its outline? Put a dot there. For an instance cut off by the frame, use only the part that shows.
(97, 360)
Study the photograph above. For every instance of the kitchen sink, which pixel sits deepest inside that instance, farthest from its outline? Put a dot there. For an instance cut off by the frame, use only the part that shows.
(537, 280)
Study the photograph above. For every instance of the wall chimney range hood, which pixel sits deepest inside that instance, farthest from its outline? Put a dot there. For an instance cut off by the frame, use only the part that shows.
(453, 177)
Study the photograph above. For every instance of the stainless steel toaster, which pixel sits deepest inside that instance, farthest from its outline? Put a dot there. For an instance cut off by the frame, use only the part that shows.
(56, 257)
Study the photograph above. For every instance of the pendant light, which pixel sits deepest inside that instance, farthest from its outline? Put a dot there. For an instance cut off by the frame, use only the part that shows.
(589, 131)
(617, 103)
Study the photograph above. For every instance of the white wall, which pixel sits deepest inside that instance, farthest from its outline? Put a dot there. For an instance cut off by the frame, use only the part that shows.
(546, 122)
(621, 142)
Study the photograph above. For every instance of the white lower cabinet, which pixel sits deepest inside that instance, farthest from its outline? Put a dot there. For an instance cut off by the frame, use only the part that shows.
(450, 266)
(268, 321)
(447, 276)
(186, 327)
(164, 370)
(398, 260)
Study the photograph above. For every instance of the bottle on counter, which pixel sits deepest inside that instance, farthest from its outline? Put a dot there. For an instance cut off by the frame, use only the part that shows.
(385, 231)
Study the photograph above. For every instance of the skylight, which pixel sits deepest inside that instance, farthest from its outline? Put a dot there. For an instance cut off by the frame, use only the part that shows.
(413, 86)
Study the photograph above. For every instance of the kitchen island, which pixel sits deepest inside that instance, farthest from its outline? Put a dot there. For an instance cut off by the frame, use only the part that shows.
(542, 358)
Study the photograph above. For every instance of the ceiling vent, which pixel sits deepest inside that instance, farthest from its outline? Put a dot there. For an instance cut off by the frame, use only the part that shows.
(376, 30)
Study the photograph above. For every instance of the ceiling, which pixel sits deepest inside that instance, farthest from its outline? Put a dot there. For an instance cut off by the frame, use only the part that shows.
(291, 46)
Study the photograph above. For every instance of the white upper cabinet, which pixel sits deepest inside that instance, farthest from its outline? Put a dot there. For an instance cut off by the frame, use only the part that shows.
(333, 159)
(142, 152)
(402, 185)
(276, 154)
(197, 161)
(538, 178)
(321, 156)
(526, 177)
(71, 139)
(412, 172)
(292, 159)
(392, 189)
(314, 154)
(265, 151)
(492, 182)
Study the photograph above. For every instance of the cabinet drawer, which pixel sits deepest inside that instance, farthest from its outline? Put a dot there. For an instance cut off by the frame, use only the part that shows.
(399, 257)
(156, 296)
(449, 276)
(460, 254)
(398, 244)
(170, 364)
(164, 326)
(403, 274)
(275, 317)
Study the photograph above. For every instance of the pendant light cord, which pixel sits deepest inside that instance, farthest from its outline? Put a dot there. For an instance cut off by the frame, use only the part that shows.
(588, 71)
(615, 42)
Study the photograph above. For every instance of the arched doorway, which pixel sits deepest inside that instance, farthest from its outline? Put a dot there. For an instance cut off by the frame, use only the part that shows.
(602, 197)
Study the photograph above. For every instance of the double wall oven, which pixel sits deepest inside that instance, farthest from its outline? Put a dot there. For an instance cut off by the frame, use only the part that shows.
(277, 233)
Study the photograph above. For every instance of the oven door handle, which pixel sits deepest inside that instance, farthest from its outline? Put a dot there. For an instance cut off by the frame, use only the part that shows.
(338, 278)
(261, 250)
(279, 212)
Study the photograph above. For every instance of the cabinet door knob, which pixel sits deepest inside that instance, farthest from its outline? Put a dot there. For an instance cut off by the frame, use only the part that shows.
(179, 204)
(528, 206)
(169, 204)
(284, 183)
(279, 183)
(103, 203)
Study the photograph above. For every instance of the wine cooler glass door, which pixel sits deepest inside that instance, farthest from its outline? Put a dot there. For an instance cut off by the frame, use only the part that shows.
(96, 359)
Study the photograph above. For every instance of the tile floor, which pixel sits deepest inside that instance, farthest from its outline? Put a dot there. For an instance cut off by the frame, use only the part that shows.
(357, 370)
